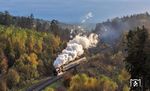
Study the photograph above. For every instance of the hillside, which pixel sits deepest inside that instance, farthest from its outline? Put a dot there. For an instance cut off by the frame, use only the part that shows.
(111, 30)
(26, 56)
(28, 51)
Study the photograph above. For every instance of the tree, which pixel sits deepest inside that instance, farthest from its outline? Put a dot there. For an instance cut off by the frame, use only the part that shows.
(54, 27)
(26, 65)
(82, 82)
(25, 22)
(13, 78)
(32, 58)
(136, 58)
(31, 21)
(6, 18)
(27, 52)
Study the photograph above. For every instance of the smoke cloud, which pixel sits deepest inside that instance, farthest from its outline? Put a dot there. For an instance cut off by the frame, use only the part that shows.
(87, 17)
(75, 48)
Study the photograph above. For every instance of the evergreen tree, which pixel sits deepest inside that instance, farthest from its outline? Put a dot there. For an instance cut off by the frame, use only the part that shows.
(136, 58)
(54, 27)
(6, 18)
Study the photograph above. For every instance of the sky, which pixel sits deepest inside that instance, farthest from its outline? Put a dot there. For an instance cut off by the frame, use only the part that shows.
(75, 11)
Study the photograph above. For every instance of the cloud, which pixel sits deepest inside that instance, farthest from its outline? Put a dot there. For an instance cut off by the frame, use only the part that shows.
(87, 17)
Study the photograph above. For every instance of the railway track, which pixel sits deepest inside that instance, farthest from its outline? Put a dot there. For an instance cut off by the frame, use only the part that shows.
(44, 83)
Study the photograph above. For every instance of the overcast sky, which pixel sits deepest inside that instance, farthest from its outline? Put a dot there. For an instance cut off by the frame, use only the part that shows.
(75, 10)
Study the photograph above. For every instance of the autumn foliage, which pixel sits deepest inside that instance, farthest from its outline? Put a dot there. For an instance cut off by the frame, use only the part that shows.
(26, 55)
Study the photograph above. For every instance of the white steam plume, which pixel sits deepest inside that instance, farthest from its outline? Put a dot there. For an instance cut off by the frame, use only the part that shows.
(87, 17)
(71, 32)
(75, 48)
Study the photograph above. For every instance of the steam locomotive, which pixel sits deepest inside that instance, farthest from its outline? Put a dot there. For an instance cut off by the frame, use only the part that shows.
(69, 65)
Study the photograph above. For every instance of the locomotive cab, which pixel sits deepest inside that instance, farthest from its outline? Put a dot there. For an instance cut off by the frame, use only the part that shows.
(59, 70)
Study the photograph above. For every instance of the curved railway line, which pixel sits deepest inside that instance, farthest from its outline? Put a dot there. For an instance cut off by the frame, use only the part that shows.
(42, 84)
(50, 80)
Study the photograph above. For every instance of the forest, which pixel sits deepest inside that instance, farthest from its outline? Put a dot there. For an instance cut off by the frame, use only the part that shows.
(28, 50)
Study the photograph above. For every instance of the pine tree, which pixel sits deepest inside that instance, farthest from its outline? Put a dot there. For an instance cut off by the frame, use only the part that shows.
(136, 58)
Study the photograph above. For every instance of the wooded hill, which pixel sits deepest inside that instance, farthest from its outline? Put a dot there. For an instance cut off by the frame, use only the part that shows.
(112, 29)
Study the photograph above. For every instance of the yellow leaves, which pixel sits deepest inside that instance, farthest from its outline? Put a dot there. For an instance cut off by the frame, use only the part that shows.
(33, 59)
(8, 31)
(27, 41)
(78, 82)
(91, 83)
(83, 83)
(44, 34)
(126, 88)
(124, 75)
(31, 42)
(18, 38)
(55, 41)
(49, 89)
(28, 59)
(107, 84)
(38, 45)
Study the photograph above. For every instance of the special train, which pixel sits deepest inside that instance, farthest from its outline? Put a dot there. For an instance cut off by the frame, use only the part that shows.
(69, 65)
